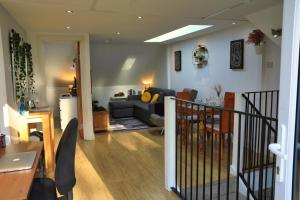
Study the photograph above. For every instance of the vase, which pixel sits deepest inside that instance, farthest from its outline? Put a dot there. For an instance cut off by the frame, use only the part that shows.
(23, 109)
(259, 49)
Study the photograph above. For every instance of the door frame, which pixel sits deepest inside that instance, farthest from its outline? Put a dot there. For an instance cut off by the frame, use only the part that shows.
(79, 92)
(297, 135)
(288, 91)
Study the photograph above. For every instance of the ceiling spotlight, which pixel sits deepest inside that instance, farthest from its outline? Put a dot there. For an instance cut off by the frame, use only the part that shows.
(140, 17)
(118, 33)
(233, 23)
(276, 32)
(69, 11)
(68, 27)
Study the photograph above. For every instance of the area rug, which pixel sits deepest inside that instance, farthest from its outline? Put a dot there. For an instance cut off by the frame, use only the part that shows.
(130, 123)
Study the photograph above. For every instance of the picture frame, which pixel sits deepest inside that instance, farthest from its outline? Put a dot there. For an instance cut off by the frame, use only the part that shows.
(237, 54)
(177, 60)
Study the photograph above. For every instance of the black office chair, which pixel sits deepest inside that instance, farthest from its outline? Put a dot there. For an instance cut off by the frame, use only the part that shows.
(45, 188)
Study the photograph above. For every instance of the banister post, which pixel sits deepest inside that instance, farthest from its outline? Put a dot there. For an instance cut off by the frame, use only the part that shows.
(170, 142)
(239, 105)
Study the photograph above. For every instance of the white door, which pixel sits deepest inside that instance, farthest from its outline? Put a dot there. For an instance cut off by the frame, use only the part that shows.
(287, 100)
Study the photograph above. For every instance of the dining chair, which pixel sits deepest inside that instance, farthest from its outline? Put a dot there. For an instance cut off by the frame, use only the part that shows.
(225, 118)
(183, 122)
(65, 180)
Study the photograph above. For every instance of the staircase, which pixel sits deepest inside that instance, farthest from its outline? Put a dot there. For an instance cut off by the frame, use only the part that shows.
(258, 172)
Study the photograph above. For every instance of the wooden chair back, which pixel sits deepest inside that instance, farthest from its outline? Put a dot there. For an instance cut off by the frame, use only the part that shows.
(227, 127)
(184, 96)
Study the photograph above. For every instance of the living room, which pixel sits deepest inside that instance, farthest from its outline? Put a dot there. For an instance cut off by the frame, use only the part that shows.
(233, 47)
(121, 69)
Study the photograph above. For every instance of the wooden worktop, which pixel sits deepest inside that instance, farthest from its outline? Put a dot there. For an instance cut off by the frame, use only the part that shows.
(16, 185)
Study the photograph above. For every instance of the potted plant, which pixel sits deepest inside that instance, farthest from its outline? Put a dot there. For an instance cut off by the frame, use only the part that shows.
(218, 89)
(256, 37)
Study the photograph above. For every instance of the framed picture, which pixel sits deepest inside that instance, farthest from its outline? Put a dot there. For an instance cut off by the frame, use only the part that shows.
(237, 54)
(177, 62)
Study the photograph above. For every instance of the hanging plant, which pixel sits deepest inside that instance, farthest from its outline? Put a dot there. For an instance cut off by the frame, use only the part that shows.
(256, 37)
(21, 67)
(30, 74)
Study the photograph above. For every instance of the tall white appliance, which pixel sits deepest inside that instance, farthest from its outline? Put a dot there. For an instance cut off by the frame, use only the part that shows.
(68, 109)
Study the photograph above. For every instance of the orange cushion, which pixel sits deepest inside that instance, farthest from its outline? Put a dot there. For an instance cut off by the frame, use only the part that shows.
(146, 97)
(154, 98)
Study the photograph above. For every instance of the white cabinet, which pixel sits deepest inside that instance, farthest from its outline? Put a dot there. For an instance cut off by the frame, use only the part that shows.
(68, 110)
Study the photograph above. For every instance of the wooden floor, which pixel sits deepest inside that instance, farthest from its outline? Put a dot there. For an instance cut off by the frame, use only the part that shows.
(121, 165)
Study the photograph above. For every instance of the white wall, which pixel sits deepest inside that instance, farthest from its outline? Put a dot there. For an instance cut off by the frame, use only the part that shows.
(218, 68)
(58, 58)
(7, 23)
(271, 66)
(58, 61)
(53, 100)
(55, 87)
(120, 67)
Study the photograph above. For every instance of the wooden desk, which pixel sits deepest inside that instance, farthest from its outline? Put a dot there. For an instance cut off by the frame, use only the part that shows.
(46, 118)
(16, 185)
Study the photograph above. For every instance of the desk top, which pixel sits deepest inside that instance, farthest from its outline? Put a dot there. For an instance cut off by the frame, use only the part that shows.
(16, 185)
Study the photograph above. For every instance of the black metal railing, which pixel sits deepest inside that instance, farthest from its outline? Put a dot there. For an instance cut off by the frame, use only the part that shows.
(258, 136)
(209, 165)
(264, 103)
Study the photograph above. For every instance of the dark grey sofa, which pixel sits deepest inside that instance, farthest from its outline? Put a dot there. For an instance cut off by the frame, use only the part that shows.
(133, 106)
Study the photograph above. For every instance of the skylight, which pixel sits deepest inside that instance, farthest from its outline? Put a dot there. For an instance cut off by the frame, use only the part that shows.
(179, 32)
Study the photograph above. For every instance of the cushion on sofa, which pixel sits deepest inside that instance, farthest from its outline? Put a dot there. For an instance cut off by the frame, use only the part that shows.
(144, 106)
(146, 97)
(162, 93)
(121, 104)
(155, 98)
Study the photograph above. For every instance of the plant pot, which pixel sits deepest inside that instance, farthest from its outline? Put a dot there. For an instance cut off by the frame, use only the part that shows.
(259, 49)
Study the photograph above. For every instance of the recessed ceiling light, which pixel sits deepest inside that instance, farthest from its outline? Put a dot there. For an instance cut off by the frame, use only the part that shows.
(69, 11)
(140, 17)
(118, 33)
(234, 23)
(68, 27)
(179, 32)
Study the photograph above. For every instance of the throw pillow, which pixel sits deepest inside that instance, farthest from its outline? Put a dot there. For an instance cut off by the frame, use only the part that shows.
(146, 97)
(154, 98)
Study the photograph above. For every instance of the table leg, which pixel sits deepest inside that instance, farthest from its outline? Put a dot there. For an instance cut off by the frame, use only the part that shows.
(49, 154)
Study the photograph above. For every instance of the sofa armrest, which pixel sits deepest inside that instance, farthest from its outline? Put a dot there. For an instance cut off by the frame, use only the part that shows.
(157, 108)
(160, 108)
(134, 97)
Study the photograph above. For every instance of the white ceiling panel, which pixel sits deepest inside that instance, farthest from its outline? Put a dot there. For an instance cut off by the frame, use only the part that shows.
(103, 18)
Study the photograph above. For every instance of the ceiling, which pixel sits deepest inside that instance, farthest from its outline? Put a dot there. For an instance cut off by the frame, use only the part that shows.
(103, 18)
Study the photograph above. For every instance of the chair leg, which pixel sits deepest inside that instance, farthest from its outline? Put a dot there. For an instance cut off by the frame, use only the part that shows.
(201, 144)
(222, 146)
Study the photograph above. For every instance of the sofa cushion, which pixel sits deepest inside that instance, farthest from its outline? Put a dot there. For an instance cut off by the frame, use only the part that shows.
(162, 93)
(146, 97)
(121, 104)
(153, 90)
(155, 98)
(144, 106)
